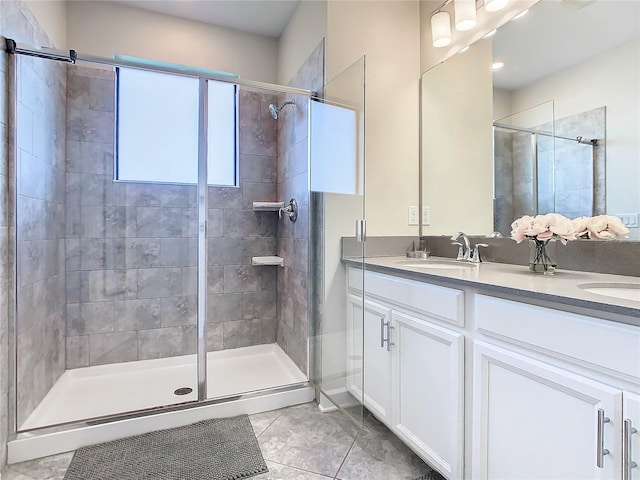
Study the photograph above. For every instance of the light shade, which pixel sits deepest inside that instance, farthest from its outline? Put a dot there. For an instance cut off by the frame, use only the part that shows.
(441, 29)
(494, 5)
(465, 14)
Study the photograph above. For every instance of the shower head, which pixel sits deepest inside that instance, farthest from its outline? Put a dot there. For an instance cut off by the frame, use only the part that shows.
(275, 110)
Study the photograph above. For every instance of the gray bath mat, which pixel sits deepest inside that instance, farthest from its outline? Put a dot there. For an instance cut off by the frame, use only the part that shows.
(432, 475)
(217, 449)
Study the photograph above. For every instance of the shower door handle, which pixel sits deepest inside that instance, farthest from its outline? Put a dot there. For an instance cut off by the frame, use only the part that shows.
(361, 230)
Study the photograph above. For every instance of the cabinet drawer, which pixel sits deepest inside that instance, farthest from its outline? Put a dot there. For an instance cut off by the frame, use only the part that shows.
(601, 344)
(443, 303)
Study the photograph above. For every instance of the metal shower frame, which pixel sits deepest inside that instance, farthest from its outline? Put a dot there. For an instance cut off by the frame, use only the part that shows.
(71, 56)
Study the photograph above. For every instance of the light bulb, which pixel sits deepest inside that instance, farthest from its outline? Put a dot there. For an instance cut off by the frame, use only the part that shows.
(494, 5)
(441, 29)
(465, 11)
(490, 34)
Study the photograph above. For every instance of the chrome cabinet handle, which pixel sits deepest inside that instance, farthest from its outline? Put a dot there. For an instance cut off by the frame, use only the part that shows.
(600, 450)
(385, 327)
(627, 462)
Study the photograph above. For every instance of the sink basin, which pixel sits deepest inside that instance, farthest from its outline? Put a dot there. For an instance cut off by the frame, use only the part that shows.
(626, 291)
(435, 264)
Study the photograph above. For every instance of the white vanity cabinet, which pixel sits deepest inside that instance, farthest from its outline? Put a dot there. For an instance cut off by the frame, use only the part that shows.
(413, 363)
(630, 436)
(534, 421)
(549, 400)
(550, 394)
(428, 374)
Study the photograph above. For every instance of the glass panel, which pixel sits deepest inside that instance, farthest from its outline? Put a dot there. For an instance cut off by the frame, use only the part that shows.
(106, 298)
(524, 159)
(337, 203)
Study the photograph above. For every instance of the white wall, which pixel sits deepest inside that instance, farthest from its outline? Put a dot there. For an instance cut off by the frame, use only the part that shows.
(52, 16)
(306, 28)
(613, 79)
(457, 152)
(105, 28)
(388, 32)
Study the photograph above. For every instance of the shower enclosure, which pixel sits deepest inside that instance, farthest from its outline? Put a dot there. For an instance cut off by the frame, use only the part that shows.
(543, 164)
(157, 266)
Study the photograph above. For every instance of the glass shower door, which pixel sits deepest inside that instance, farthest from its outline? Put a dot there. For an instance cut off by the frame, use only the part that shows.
(336, 176)
(106, 263)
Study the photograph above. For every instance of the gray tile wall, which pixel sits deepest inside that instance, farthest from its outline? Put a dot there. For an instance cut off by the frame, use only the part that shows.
(293, 238)
(41, 109)
(131, 248)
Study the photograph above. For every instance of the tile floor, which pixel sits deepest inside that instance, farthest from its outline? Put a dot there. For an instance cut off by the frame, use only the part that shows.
(298, 443)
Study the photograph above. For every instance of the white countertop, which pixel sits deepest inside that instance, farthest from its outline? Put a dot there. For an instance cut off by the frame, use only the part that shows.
(562, 287)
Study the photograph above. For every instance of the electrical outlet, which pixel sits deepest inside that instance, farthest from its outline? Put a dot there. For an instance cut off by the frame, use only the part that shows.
(629, 220)
(426, 215)
(413, 215)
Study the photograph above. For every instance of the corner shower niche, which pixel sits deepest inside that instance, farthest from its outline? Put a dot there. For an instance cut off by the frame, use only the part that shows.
(128, 255)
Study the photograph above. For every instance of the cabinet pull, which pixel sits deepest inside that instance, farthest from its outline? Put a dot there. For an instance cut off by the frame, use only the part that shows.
(389, 342)
(600, 450)
(627, 462)
(385, 327)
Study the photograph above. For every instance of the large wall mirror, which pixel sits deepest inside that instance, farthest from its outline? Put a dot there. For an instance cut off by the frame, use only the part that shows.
(556, 129)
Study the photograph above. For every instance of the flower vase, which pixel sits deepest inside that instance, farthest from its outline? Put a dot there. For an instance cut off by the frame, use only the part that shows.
(541, 259)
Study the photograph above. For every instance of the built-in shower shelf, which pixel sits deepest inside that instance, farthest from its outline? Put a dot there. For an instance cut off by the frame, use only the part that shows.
(267, 206)
(269, 260)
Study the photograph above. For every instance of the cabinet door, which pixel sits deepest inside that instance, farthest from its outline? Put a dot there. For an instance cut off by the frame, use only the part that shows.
(535, 421)
(354, 348)
(631, 436)
(377, 360)
(428, 391)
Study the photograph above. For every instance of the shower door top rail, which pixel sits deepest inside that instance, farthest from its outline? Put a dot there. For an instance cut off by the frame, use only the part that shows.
(585, 141)
(71, 56)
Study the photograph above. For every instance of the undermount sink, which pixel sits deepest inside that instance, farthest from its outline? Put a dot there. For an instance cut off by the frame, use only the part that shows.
(435, 264)
(625, 291)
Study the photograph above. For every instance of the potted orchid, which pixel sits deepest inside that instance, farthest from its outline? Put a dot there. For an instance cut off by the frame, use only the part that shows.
(539, 230)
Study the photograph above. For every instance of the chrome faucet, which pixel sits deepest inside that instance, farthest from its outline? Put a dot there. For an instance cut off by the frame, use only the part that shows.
(464, 252)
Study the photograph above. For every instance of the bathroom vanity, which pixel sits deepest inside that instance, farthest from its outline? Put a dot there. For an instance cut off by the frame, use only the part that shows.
(492, 372)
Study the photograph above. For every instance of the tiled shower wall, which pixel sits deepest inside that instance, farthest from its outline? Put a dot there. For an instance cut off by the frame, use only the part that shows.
(132, 249)
(293, 238)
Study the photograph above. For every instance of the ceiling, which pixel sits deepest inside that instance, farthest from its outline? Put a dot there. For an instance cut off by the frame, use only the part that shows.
(557, 34)
(261, 17)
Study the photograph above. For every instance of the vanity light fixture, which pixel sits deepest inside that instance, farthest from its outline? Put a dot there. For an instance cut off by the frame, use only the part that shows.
(441, 29)
(490, 34)
(497, 66)
(494, 5)
(521, 14)
(465, 14)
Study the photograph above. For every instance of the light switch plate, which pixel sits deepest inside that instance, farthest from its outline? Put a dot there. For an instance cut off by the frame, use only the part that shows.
(426, 215)
(629, 220)
(413, 215)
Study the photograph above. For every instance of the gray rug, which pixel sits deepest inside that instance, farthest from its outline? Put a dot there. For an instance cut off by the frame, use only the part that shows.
(432, 475)
(217, 449)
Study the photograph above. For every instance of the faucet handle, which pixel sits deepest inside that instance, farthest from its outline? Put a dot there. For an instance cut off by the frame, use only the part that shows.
(460, 250)
(475, 257)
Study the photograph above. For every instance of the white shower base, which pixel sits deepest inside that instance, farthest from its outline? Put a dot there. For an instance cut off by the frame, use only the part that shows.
(91, 392)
